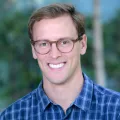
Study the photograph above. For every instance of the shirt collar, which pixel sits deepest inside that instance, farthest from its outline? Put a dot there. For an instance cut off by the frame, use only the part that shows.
(43, 99)
(84, 99)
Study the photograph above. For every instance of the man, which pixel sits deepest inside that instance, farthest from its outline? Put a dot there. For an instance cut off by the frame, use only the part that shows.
(58, 40)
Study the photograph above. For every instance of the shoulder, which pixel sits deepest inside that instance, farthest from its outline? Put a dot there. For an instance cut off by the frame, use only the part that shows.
(105, 92)
(18, 107)
(107, 100)
(101, 95)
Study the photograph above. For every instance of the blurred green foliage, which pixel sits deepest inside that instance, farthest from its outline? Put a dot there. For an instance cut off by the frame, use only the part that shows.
(111, 31)
(20, 74)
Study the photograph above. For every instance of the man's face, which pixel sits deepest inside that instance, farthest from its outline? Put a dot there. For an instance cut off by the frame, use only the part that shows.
(58, 67)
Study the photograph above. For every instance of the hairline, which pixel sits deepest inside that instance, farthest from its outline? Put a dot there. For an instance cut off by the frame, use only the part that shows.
(50, 17)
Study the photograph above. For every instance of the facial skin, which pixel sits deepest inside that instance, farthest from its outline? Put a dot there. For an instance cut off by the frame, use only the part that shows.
(58, 68)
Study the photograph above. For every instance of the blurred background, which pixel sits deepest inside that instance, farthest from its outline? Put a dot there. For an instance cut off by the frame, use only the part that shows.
(19, 72)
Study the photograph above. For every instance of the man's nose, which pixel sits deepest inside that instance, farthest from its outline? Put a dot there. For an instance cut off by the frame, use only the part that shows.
(54, 53)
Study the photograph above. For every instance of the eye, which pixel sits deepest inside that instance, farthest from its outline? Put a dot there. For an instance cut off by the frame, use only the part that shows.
(65, 42)
(43, 44)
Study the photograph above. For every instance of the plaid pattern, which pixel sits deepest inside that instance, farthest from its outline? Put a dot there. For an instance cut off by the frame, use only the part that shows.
(93, 103)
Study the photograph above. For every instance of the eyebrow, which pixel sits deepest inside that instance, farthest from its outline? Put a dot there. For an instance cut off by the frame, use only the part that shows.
(55, 40)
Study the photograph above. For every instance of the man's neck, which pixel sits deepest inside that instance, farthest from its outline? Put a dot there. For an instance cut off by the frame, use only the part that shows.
(64, 94)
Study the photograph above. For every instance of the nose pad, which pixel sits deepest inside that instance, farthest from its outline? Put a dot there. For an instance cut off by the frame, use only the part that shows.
(54, 53)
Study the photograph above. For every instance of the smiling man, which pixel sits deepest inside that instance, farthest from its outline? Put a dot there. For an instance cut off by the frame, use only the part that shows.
(58, 40)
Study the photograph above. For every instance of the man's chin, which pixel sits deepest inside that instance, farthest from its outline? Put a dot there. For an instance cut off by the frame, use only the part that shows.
(57, 81)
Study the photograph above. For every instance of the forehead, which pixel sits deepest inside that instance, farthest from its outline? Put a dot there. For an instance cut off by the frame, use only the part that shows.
(54, 28)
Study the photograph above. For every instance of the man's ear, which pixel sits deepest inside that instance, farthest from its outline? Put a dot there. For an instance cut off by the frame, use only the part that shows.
(34, 52)
(83, 44)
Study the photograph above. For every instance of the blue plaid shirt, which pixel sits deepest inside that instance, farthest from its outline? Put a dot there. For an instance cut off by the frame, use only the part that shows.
(93, 103)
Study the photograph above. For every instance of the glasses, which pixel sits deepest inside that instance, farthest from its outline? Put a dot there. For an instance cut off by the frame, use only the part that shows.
(63, 45)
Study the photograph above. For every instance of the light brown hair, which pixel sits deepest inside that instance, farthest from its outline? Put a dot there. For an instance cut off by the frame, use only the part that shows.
(54, 11)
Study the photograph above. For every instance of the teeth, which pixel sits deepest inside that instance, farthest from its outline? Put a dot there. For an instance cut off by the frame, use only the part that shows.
(56, 66)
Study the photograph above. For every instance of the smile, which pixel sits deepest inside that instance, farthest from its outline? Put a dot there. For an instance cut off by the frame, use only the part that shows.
(56, 66)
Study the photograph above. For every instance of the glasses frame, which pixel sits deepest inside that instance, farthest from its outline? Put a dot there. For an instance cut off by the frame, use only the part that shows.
(56, 42)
